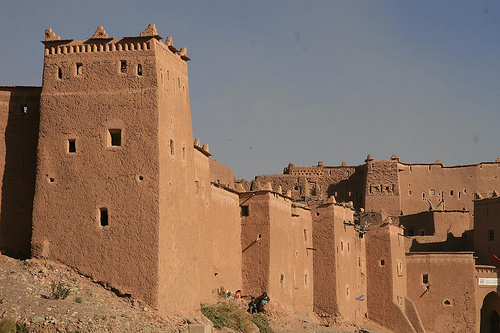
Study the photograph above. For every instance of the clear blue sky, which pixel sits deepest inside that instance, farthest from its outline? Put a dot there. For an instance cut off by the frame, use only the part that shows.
(274, 82)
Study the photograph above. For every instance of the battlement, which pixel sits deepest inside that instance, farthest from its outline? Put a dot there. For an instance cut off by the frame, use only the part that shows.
(319, 170)
(101, 42)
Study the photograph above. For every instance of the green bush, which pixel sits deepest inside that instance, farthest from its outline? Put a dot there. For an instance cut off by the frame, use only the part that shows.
(227, 315)
(262, 323)
(79, 299)
(59, 290)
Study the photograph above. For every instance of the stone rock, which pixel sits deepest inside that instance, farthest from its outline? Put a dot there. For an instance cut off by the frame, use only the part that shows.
(37, 319)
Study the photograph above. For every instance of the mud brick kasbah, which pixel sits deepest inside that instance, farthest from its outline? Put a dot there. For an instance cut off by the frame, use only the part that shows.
(100, 171)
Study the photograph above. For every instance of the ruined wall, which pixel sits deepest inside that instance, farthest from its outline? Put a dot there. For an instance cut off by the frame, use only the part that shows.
(445, 296)
(340, 265)
(96, 200)
(486, 228)
(221, 174)
(19, 119)
(447, 187)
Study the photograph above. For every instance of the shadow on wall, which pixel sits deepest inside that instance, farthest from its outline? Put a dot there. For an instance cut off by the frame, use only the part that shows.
(451, 244)
(346, 190)
(18, 183)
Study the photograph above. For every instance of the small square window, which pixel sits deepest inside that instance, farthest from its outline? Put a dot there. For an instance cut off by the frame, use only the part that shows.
(382, 262)
(433, 191)
(411, 232)
(115, 137)
(103, 217)
(24, 109)
(244, 211)
(425, 278)
(72, 146)
(421, 232)
(491, 235)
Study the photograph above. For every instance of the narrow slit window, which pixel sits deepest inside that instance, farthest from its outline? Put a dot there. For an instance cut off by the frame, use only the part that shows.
(123, 66)
(79, 68)
(103, 217)
(59, 73)
(197, 186)
(425, 278)
(72, 146)
(491, 235)
(171, 146)
(115, 137)
(139, 69)
(305, 235)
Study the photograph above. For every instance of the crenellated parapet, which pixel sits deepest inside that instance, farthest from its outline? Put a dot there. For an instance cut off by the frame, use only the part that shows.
(101, 42)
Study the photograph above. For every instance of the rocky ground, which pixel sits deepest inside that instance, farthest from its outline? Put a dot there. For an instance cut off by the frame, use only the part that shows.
(25, 296)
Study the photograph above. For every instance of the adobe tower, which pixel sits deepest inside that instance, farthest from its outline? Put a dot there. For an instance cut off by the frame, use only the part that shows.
(115, 173)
